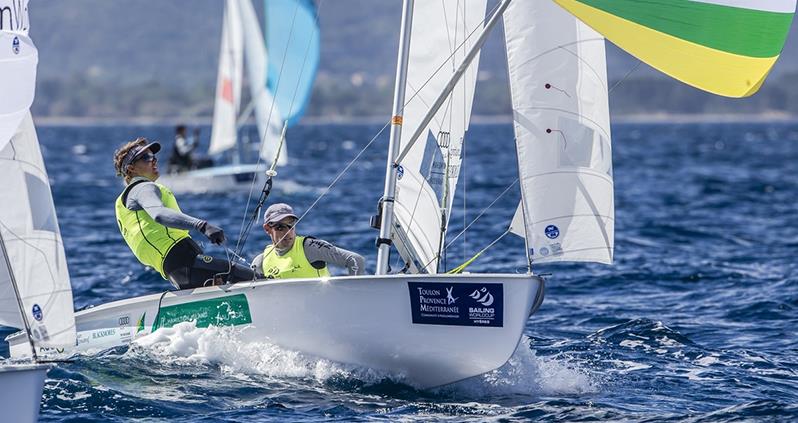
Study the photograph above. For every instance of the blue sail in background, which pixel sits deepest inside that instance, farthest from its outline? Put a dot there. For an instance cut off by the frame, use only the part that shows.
(292, 40)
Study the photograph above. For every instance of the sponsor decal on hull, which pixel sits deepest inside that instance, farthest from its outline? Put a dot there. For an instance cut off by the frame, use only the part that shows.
(457, 304)
(226, 311)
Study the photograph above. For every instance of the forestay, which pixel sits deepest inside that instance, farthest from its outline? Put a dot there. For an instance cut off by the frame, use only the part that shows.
(267, 115)
(559, 93)
(726, 47)
(428, 175)
(227, 103)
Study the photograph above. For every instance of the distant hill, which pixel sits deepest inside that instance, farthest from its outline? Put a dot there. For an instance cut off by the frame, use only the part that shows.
(151, 57)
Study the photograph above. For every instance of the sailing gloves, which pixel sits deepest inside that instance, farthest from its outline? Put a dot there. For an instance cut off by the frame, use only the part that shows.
(214, 233)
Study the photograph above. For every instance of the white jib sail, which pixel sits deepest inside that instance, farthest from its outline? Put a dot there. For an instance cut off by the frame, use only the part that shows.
(228, 82)
(33, 246)
(429, 174)
(558, 80)
(267, 116)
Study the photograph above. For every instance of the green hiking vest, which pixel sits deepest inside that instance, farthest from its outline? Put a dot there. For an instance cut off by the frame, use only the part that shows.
(149, 241)
(292, 264)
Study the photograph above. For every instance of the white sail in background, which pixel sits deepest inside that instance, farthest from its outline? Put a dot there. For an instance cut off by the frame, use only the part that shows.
(267, 115)
(558, 80)
(32, 244)
(429, 174)
(227, 103)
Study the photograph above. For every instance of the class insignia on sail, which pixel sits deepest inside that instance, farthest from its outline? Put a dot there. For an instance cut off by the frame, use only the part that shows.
(721, 46)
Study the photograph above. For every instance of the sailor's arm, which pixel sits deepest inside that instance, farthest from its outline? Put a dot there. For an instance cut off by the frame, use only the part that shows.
(147, 197)
(320, 250)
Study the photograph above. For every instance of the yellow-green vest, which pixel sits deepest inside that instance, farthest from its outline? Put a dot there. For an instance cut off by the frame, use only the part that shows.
(149, 240)
(292, 264)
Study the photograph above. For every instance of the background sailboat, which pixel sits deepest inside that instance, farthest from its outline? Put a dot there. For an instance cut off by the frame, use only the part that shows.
(35, 292)
(280, 69)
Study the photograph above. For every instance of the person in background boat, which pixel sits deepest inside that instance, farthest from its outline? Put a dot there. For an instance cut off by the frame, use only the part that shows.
(294, 256)
(182, 158)
(157, 232)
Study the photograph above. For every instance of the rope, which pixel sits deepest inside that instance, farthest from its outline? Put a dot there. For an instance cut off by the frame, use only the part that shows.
(460, 268)
(482, 212)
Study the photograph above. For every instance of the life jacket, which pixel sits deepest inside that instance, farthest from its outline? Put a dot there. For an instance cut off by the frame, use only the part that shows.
(149, 241)
(292, 264)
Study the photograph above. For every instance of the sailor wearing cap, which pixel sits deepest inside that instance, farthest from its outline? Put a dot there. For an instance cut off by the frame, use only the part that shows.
(294, 256)
(157, 231)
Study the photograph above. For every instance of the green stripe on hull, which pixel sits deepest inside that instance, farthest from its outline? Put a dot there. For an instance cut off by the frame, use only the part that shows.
(225, 311)
(747, 32)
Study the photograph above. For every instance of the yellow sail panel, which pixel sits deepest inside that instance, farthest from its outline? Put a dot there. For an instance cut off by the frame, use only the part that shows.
(701, 65)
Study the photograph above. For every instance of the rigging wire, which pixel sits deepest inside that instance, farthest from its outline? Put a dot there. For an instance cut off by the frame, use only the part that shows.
(247, 227)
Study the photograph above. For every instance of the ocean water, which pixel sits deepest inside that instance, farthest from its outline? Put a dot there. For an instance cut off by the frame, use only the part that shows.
(695, 321)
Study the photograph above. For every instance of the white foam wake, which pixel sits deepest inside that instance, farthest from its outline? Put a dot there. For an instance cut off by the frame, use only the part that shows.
(235, 353)
(527, 374)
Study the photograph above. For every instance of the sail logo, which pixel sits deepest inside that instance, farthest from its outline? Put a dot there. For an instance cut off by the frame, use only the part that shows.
(552, 231)
(15, 45)
(400, 171)
(37, 313)
(482, 296)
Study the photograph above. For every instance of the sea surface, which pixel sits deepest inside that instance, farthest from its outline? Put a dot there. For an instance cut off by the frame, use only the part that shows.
(695, 321)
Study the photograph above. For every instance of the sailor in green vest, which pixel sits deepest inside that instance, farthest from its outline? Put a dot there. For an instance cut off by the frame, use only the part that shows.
(157, 232)
(294, 256)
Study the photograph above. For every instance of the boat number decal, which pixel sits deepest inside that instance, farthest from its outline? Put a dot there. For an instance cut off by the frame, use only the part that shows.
(552, 231)
(225, 311)
(124, 320)
(457, 304)
(37, 313)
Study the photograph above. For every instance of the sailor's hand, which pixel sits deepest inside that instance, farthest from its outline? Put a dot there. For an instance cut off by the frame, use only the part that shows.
(214, 233)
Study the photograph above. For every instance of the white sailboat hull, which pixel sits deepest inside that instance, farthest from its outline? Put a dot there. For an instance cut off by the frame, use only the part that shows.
(216, 179)
(427, 330)
(22, 386)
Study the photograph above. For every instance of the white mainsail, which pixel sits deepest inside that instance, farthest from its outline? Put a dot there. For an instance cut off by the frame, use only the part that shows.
(224, 131)
(429, 173)
(559, 92)
(33, 270)
(267, 115)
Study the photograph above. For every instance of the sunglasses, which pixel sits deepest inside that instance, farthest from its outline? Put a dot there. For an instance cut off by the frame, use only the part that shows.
(149, 157)
(282, 227)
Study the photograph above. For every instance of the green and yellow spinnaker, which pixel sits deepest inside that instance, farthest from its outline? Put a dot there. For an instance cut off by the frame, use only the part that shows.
(726, 47)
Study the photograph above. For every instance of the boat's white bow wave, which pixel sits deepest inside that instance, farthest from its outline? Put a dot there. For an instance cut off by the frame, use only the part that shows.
(228, 347)
(232, 350)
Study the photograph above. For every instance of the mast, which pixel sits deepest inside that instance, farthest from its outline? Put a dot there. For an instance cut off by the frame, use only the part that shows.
(389, 194)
